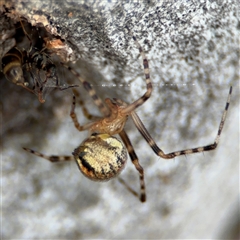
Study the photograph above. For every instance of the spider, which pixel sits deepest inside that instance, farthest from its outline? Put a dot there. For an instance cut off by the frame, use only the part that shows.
(102, 156)
(32, 69)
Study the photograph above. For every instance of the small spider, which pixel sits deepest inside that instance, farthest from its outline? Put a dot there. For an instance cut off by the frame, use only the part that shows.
(102, 156)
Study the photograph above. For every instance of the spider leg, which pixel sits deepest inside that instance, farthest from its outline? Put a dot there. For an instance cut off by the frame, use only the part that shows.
(148, 93)
(103, 109)
(121, 180)
(141, 128)
(86, 113)
(52, 158)
(74, 117)
(137, 165)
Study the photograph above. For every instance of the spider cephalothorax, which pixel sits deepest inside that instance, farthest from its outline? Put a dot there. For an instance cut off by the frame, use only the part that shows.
(112, 124)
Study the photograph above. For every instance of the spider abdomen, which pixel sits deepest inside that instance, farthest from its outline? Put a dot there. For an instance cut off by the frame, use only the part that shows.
(101, 157)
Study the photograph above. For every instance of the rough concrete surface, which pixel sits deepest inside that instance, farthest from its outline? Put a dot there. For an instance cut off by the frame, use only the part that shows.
(193, 52)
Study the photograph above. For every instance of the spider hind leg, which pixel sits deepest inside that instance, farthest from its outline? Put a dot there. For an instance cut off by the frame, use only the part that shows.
(52, 158)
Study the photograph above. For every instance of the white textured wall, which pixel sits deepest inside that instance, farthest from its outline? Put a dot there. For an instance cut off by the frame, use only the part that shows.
(193, 197)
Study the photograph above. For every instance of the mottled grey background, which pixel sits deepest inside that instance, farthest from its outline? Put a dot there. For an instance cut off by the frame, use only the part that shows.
(193, 52)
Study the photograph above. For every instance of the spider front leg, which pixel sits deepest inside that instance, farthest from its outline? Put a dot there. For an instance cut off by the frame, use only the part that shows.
(87, 86)
(86, 113)
(131, 107)
(141, 128)
(75, 118)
